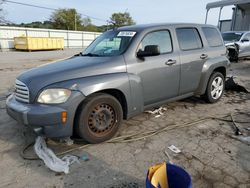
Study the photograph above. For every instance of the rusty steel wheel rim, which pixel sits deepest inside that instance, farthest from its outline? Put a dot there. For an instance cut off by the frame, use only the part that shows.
(101, 120)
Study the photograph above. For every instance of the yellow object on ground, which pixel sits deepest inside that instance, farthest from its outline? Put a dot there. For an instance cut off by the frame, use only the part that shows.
(158, 175)
(38, 43)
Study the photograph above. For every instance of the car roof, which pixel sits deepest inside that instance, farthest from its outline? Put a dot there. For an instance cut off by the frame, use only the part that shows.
(156, 25)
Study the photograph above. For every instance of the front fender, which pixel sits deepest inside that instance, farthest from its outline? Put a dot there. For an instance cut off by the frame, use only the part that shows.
(128, 84)
(208, 68)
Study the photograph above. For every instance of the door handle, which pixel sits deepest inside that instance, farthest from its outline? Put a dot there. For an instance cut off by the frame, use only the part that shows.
(170, 62)
(203, 56)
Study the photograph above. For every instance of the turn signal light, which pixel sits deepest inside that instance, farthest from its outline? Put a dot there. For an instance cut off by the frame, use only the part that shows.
(64, 117)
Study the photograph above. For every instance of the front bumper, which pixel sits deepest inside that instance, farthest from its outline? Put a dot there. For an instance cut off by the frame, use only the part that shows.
(45, 119)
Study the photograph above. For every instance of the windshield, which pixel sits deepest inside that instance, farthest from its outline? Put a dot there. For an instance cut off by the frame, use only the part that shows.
(110, 43)
(232, 37)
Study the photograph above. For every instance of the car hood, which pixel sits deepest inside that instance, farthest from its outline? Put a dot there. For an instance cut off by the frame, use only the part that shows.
(229, 43)
(72, 68)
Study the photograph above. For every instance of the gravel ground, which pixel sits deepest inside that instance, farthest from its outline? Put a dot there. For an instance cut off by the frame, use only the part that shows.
(13, 63)
(209, 150)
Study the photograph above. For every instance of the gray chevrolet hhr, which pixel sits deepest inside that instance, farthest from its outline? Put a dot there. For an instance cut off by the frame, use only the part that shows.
(122, 73)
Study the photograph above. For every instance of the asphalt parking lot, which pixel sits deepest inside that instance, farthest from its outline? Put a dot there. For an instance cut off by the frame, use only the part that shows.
(210, 150)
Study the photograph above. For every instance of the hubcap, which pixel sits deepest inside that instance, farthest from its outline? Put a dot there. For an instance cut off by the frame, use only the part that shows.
(217, 88)
(101, 120)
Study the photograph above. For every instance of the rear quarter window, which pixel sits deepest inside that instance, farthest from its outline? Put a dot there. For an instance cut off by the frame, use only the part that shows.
(213, 36)
(189, 38)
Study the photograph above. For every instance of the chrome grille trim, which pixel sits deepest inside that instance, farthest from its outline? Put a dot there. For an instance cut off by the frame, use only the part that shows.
(21, 92)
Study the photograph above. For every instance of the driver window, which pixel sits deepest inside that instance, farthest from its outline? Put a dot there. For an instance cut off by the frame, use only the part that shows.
(160, 38)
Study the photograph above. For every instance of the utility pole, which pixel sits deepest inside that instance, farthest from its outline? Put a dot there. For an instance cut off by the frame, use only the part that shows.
(1, 10)
(75, 22)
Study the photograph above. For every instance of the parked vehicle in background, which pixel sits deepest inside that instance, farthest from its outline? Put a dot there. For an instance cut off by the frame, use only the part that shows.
(122, 73)
(237, 43)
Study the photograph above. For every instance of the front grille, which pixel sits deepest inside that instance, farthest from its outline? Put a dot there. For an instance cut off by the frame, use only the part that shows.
(21, 92)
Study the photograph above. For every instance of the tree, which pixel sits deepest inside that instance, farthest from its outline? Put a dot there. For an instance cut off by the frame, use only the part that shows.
(86, 21)
(37, 24)
(67, 19)
(1, 11)
(121, 19)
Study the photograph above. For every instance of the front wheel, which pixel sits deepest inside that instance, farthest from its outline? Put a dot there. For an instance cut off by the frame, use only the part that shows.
(99, 118)
(215, 87)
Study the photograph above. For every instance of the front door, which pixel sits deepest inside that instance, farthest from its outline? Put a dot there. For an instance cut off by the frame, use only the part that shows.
(159, 74)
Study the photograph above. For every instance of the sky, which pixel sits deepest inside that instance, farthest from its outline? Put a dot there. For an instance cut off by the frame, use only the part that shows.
(142, 11)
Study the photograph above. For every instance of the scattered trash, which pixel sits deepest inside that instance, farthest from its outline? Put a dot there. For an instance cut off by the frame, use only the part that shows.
(157, 112)
(157, 116)
(138, 151)
(167, 175)
(68, 141)
(85, 157)
(236, 128)
(174, 149)
(50, 159)
(234, 84)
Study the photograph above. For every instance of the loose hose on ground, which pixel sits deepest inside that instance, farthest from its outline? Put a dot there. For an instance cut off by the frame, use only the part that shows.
(139, 135)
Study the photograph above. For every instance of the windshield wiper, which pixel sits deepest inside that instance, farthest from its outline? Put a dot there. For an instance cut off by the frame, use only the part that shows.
(89, 54)
(80, 54)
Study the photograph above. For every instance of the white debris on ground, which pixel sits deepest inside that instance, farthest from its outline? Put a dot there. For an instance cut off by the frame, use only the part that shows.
(157, 112)
(68, 141)
(50, 159)
(174, 149)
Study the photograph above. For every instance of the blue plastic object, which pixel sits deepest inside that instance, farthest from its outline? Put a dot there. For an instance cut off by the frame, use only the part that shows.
(85, 157)
(177, 177)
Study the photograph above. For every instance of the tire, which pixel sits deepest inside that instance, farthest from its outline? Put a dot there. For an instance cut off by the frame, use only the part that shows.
(99, 118)
(215, 87)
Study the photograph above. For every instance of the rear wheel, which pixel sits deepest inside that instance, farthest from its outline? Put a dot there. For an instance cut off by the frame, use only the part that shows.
(99, 118)
(215, 87)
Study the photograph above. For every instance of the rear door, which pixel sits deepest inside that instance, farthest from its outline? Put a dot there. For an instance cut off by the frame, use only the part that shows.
(192, 57)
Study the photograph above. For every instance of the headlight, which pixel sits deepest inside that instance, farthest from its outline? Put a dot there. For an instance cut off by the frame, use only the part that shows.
(54, 96)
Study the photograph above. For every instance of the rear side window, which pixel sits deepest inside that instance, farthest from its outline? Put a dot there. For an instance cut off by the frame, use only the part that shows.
(160, 38)
(189, 38)
(213, 36)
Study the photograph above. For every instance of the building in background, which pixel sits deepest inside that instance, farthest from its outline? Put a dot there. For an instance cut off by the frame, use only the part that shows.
(240, 20)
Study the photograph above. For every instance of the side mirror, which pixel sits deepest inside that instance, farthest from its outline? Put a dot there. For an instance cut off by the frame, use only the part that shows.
(244, 40)
(150, 50)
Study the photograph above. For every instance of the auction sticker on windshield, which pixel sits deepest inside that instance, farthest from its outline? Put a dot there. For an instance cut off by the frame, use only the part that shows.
(126, 34)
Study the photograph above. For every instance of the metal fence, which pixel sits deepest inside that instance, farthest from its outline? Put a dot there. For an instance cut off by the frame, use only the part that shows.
(72, 39)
